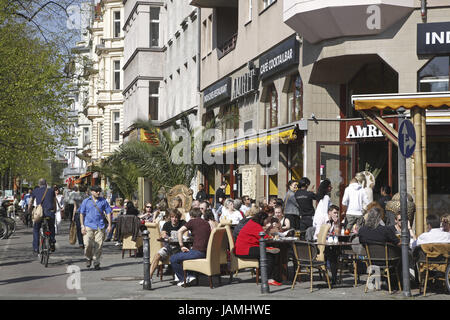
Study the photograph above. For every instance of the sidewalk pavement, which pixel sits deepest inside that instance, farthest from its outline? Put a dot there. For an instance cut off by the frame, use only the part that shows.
(68, 278)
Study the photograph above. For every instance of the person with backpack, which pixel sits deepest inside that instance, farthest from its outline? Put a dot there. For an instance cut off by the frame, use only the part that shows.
(44, 196)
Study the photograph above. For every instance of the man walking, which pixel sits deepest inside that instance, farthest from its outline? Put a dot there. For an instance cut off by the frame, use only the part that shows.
(46, 197)
(93, 211)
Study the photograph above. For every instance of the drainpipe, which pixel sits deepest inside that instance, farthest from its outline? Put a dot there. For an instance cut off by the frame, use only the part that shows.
(199, 34)
(423, 10)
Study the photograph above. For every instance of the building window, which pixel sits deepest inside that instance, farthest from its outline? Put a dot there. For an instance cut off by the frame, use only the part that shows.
(100, 136)
(434, 76)
(117, 75)
(154, 27)
(86, 138)
(116, 24)
(295, 99)
(272, 108)
(153, 101)
(116, 126)
(267, 3)
(250, 10)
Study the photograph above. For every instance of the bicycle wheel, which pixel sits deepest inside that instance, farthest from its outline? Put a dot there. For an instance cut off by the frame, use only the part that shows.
(11, 226)
(447, 278)
(4, 232)
(45, 252)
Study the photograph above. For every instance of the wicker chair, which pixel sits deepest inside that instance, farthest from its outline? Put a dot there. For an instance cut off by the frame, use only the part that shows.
(386, 256)
(155, 245)
(306, 254)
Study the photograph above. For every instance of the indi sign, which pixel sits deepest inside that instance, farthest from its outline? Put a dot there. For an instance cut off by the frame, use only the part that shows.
(433, 38)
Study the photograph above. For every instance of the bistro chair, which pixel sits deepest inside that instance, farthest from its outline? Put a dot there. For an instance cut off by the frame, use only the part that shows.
(129, 234)
(237, 263)
(352, 255)
(306, 254)
(210, 265)
(155, 246)
(386, 256)
(434, 258)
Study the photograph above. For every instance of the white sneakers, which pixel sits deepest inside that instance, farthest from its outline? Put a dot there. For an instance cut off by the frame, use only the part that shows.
(189, 279)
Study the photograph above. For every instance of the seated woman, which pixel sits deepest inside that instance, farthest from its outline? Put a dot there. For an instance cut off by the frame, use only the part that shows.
(209, 216)
(285, 224)
(373, 231)
(229, 213)
(148, 213)
(247, 243)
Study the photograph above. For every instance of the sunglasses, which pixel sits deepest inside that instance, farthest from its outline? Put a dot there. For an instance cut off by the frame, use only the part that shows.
(148, 206)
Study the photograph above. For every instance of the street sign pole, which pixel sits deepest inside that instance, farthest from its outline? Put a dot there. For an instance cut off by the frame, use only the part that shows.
(403, 208)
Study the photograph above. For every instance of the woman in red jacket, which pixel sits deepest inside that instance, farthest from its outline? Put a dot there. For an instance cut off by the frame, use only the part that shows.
(247, 243)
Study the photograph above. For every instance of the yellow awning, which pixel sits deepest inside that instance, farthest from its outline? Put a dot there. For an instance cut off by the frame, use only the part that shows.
(283, 137)
(394, 101)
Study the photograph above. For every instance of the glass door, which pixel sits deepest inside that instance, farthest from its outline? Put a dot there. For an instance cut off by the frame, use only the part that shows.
(337, 162)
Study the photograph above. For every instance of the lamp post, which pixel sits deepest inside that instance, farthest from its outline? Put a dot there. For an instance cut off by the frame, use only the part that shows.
(403, 209)
(263, 264)
(147, 285)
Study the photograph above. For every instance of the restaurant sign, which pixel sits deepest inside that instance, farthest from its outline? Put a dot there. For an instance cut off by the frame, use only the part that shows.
(433, 38)
(245, 84)
(218, 92)
(361, 131)
(279, 58)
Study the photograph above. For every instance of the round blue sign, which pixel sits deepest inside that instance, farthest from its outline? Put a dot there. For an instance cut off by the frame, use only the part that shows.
(406, 138)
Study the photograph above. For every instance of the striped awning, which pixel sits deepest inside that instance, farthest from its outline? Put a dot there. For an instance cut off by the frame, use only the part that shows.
(282, 137)
(423, 100)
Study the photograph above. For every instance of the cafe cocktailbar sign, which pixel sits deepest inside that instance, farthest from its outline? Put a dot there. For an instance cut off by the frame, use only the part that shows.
(280, 58)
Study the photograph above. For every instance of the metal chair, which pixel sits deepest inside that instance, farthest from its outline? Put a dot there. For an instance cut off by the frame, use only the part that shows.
(353, 255)
(386, 256)
(432, 257)
(306, 254)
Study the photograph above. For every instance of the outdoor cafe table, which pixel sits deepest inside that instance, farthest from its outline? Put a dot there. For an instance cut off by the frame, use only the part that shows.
(285, 243)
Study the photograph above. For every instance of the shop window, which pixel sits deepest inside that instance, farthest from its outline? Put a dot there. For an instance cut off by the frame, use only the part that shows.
(295, 99)
(434, 76)
(438, 155)
(272, 107)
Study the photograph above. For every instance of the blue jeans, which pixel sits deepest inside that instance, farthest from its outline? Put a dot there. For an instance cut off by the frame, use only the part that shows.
(177, 261)
(37, 236)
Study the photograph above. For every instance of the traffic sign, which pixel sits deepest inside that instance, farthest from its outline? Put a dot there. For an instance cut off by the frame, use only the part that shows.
(406, 138)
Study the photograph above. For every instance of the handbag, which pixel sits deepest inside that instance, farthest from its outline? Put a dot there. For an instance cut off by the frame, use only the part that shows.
(38, 212)
(73, 233)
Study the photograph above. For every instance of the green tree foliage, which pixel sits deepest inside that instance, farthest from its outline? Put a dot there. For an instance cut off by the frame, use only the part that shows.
(33, 99)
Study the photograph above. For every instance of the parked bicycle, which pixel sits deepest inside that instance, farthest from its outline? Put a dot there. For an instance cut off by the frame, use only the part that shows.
(7, 224)
(44, 245)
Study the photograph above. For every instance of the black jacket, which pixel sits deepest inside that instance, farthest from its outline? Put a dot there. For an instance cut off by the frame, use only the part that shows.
(201, 195)
(305, 202)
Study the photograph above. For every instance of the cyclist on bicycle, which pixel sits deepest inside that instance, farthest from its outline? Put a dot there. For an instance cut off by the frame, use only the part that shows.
(49, 206)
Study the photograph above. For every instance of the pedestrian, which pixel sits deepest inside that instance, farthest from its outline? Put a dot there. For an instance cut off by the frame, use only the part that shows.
(46, 197)
(201, 194)
(291, 207)
(59, 208)
(200, 230)
(354, 200)
(94, 210)
(305, 203)
(77, 198)
(321, 215)
(220, 194)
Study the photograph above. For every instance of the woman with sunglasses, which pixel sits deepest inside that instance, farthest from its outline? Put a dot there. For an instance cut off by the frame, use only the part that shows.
(148, 213)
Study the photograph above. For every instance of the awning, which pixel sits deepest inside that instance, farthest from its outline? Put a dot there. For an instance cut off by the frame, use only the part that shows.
(85, 175)
(282, 137)
(423, 100)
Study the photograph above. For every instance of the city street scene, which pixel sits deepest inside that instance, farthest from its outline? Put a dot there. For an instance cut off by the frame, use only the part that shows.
(225, 158)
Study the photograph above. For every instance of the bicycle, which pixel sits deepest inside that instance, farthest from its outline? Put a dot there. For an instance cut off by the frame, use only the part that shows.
(4, 232)
(44, 249)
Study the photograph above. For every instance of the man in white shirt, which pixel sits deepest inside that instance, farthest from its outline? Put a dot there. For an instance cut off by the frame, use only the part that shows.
(354, 200)
(435, 234)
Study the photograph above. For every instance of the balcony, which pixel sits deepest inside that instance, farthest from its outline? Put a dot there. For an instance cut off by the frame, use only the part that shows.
(227, 47)
(318, 20)
(214, 3)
